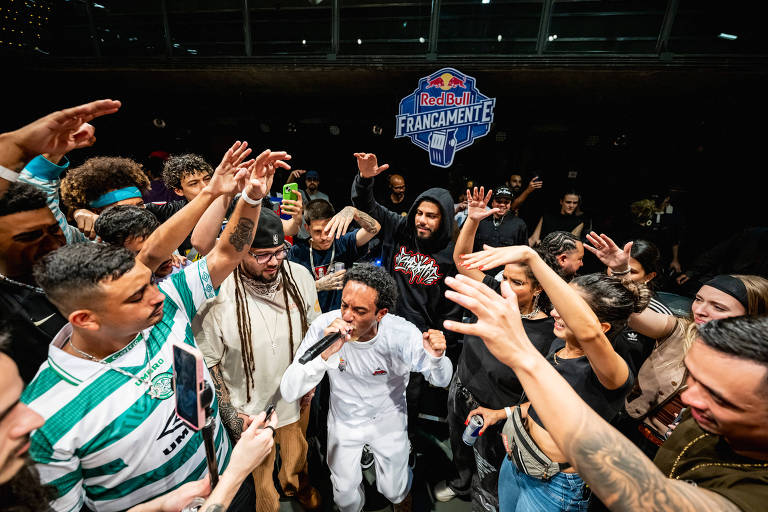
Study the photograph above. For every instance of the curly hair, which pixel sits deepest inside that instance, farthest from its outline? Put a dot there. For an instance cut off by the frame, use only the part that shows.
(120, 223)
(21, 197)
(376, 278)
(100, 175)
(178, 167)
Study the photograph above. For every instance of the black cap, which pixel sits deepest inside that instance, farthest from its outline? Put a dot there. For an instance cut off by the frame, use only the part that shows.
(502, 191)
(269, 232)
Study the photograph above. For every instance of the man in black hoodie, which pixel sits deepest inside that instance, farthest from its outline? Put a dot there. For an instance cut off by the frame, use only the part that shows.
(417, 251)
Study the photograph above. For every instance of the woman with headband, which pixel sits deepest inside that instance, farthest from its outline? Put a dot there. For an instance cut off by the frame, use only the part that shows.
(654, 402)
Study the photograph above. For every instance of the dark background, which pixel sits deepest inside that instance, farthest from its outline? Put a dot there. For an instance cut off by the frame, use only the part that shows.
(629, 110)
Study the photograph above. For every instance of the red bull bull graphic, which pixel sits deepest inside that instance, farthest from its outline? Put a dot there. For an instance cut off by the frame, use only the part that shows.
(445, 114)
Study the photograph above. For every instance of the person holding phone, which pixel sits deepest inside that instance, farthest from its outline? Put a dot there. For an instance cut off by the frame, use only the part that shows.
(248, 337)
(106, 391)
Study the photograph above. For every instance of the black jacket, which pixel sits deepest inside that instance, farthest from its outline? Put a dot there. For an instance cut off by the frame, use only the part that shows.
(418, 266)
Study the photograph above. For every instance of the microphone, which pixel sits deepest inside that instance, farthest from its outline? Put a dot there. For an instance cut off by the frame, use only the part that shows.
(318, 348)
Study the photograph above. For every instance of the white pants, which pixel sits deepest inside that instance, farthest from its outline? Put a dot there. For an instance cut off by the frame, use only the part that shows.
(388, 439)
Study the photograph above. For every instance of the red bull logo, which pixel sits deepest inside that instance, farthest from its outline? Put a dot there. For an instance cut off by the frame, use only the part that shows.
(445, 114)
(446, 82)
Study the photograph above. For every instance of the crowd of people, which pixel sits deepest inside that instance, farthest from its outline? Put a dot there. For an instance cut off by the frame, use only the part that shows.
(564, 391)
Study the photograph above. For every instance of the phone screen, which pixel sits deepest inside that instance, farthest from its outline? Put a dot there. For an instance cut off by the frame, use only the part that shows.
(185, 368)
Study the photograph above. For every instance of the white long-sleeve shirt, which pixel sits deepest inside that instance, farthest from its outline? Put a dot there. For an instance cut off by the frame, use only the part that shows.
(368, 378)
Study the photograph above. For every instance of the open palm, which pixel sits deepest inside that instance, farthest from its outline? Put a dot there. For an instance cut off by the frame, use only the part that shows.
(477, 201)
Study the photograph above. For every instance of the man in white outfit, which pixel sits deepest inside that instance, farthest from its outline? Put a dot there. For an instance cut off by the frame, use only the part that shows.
(368, 368)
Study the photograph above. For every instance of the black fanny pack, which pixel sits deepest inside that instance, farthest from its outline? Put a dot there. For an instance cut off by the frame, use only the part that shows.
(523, 451)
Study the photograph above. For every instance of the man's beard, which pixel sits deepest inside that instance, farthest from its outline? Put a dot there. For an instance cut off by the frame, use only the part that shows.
(516, 190)
(312, 188)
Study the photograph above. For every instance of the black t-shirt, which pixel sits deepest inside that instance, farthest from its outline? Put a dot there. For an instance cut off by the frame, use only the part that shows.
(400, 208)
(582, 378)
(492, 383)
(32, 322)
(633, 347)
(559, 222)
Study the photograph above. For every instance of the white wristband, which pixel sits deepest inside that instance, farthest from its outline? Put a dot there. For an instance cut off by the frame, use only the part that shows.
(8, 174)
(508, 411)
(252, 202)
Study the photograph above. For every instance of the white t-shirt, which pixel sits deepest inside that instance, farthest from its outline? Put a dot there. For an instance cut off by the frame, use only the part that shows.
(219, 340)
(368, 378)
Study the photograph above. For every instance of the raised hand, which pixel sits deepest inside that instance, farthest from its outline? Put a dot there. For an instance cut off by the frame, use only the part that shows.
(535, 184)
(339, 223)
(476, 204)
(434, 342)
(498, 319)
(369, 165)
(59, 132)
(229, 176)
(293, 207)
(492, 257)
(608, 252)
(262, 172)
(295, 175)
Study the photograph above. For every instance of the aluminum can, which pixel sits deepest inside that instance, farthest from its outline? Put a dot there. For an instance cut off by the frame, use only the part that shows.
(194, 505)
(472, 430)
(337, 266)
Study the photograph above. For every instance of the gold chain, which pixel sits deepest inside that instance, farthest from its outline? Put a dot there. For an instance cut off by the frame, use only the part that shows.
(709, 464)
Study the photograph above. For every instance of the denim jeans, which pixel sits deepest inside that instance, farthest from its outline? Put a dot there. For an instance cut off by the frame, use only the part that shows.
(519, 492)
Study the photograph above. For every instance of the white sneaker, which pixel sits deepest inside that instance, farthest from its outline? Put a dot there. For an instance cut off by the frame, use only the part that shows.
(443, 492)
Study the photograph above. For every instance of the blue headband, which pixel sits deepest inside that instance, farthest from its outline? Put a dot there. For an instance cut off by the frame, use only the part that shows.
(114, 196)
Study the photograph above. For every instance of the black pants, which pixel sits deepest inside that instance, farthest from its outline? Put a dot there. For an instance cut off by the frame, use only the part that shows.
(477, 467)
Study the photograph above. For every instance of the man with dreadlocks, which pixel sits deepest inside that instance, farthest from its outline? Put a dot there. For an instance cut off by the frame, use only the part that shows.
(248, 336)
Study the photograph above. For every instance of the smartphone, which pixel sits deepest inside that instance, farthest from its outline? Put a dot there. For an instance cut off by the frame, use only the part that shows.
(268, 412)
(290, 191)
(188, 384)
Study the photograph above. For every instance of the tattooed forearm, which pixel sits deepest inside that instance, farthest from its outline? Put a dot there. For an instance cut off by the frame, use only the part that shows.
(242, 234)
(229, 417)
(625, 479)
(368, 223)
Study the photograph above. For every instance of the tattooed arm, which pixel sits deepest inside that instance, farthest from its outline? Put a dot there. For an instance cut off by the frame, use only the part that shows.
(339, 223)
(237, 236)
(229, 415)
(618, 472)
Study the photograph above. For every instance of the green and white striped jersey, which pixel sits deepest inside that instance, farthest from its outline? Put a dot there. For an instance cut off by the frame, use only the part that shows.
(105, 442)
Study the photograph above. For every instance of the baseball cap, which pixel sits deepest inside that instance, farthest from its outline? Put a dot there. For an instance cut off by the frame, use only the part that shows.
(502, 191)
(312, 175)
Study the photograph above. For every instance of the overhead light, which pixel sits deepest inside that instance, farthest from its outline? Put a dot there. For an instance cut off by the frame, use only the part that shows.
(176, 45)
(98, 6)
(191, 51)
(303, 41)
(422, 40)
(486, 1)
(405, 24)
(552, 37)
(729, 37)
(498, 38)
(359, 41)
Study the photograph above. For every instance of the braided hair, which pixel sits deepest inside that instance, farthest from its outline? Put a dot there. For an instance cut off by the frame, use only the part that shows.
(290, 289)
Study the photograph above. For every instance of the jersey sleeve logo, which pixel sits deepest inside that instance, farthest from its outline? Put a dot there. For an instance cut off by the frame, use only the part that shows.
(379, 371)
(423, 269)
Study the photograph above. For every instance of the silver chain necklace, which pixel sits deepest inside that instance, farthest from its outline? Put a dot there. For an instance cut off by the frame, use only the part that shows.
(535, 311)
(23, 285)
(153, 390)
